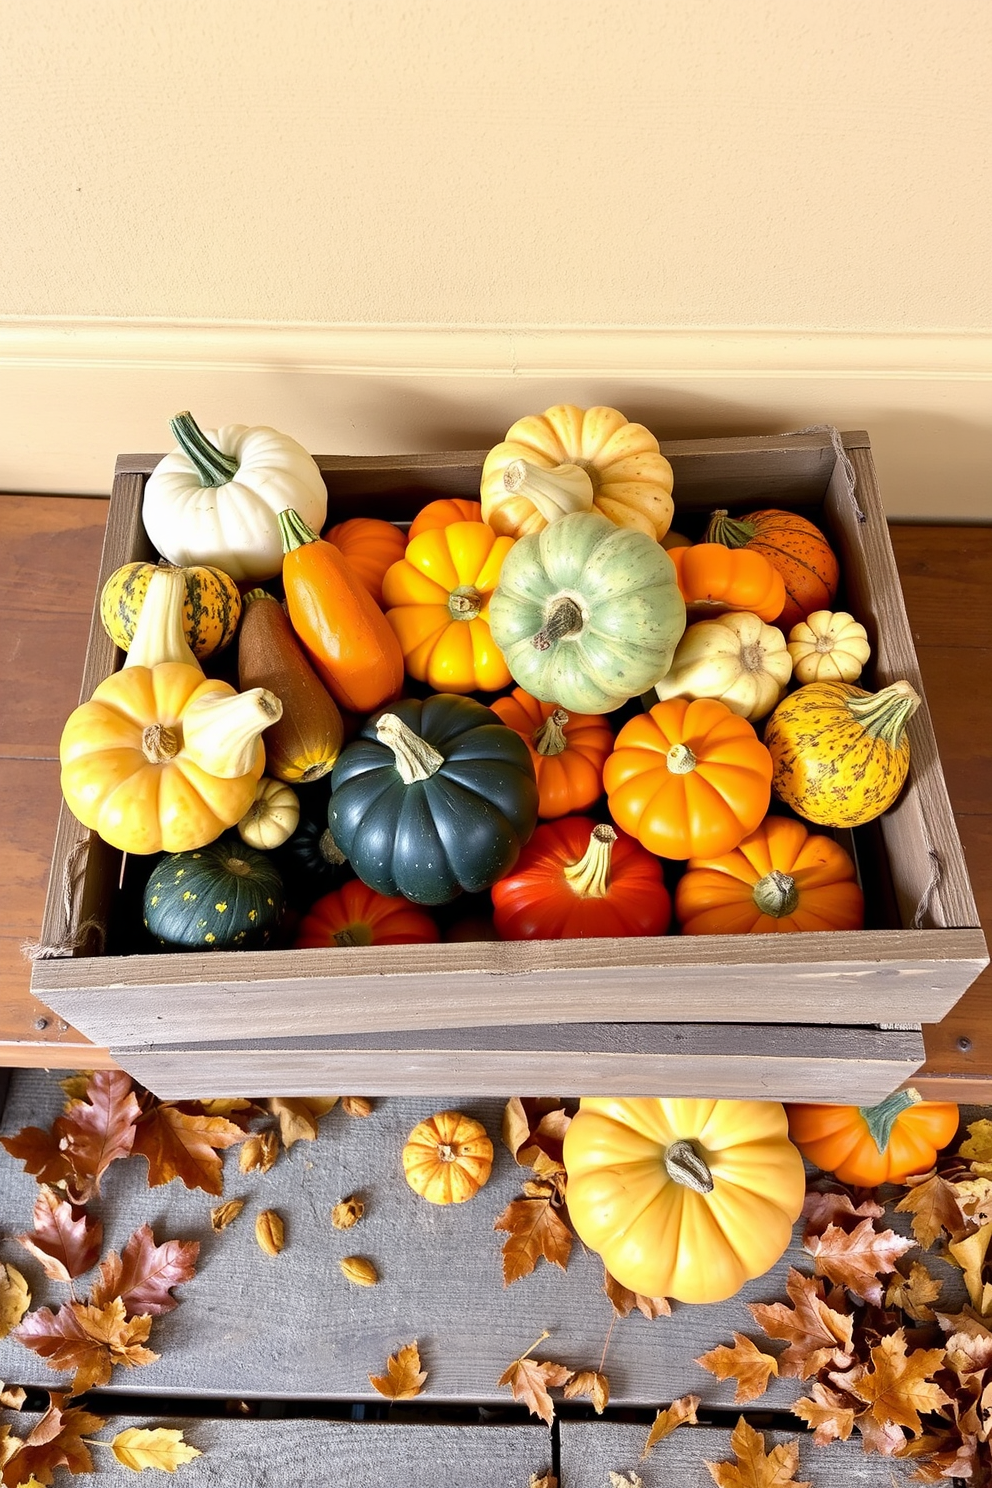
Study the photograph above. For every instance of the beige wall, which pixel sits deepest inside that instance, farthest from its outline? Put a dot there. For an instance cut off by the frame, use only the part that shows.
(648, 169)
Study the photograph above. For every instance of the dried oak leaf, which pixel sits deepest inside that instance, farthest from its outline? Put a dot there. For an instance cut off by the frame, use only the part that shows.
(858, 1259)
(142, 1275)
(935, 1206)
(897, 1386)
(591, 1383)
(96, 1130)
(179, 1145)
(298, 1118)
(531, 1379)
(817, 1334)
(161, 1447)
(404, 1377)
(970, 1254)
(823, 1207)
(914, 1293)
(55, 1441)
(827, 1412)
(754, 1468)
(39, 1152)
(681, 1412)
(15, 1298)
(534, 1129)
(65, 1239)
(744, 1363)
(534, 1229)
(624, 1301)
(87, 1339)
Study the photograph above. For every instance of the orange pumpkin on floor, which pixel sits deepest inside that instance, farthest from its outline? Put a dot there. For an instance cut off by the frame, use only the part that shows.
(448, 1158)
(867, 1145)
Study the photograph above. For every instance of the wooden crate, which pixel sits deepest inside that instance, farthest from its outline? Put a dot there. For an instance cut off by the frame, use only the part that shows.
(825, 1016)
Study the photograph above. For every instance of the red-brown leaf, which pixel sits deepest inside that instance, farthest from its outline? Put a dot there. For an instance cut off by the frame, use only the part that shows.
(534, 1129)
(98, 1130)
(933, 1203)
(143, 1274)
(535, 1229)
(181, 1146)
(857, 1260)
(827, 1412)
(592, 1383)
(624, 1300)
(55, 1441)
(823, 1208)
(817, 1334)
(40, 1153)
(66, 1240)
(87, 1339)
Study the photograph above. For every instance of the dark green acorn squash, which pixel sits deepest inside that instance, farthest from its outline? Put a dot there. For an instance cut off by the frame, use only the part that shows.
(433, 797)
(225, 896)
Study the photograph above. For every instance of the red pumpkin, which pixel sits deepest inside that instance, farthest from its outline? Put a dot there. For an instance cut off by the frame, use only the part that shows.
(356, 915)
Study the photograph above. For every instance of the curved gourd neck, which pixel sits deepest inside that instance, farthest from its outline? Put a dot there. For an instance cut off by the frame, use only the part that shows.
(885, 714)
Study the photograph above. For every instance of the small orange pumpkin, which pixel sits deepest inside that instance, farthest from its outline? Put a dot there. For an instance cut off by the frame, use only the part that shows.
(370, 546)
(867, 1145)
(442, 513)
(448, 1158)
(356, 915)
(792, 545)
(713, 578)
(568, 750)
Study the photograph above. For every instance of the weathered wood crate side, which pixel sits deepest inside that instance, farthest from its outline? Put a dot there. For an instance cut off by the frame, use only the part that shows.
(898, 974)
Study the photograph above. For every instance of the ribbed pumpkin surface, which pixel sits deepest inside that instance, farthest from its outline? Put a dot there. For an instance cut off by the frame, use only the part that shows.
(210, 615)
(802, 555)
(225, 896)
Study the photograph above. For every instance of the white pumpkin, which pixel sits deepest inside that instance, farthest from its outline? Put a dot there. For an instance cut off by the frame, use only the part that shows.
(736, 658)
(216, 498)
(828, 647)
(272, 817)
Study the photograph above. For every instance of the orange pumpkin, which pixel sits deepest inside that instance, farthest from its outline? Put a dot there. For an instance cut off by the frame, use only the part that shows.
(370, 546)
(792, 545)
(448, 1158)
(442, 513)
(437, 600)
(568, 750)
(781, 878)
(356, 915)
(713, 578)
(689, 779)
(867, 1145)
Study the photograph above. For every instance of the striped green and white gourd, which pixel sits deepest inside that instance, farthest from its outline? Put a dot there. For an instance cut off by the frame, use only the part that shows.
(210, 616)
(222, 897)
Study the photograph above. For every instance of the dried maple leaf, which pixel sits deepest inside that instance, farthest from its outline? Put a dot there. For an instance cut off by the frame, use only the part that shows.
(161, 1447)
(897, 1386)
(975, 1199)
(15, 1298)
(142, 1275)
(534, 1129)
(534, 1229)
(55, 1441)
(857, 1260)
(681, 1412)
(970, 1255)
(624, 1301)
(74, 1085)
(531, 1379)
(830, 1207)
(178, 1145)
(754, 1468)
(39, 1151)
(817, 1334)
(744, 1363)
(87, 1339)
(935, 1207)
(97, 1130)
(826, 1411)
(404, 1378)
(298, 1118)
(66, 1240)
(914, 1293)
(594, 1385)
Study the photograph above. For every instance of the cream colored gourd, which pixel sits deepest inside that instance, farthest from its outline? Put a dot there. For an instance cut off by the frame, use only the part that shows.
(735, 658)
(272, 817)
(215, 499)
(828, 647)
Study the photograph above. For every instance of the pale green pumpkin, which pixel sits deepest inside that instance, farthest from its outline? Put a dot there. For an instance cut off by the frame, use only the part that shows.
(587, 614)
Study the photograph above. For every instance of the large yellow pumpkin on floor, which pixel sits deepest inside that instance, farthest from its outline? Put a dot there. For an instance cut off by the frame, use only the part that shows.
(448, 1157)
(683, 1198)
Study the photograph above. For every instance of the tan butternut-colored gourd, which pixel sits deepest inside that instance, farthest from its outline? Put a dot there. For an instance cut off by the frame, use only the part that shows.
(734, 657)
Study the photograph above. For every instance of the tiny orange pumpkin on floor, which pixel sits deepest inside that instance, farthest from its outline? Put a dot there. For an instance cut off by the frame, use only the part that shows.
(867, 1145)
(448, 1158)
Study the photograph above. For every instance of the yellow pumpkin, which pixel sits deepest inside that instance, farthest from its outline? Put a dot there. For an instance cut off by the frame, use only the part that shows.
(573, 459)
(448, 1158)
(683, 1198)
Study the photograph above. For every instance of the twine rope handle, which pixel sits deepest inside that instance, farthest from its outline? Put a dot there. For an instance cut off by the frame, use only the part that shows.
(73, 873)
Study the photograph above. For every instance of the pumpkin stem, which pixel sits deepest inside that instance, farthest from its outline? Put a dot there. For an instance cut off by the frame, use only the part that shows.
(776, 894)
(358, 934)
(465, 603)
(159, 744)
(552, 493)
(881, 1119)
(732, 532)
(445, 1152)
(415, 758)
(684, 1164)
(563, 619)
(885, 714)
(590, 876)
(680, 759)
(212, 466)
(550, 739)
(329, 849)
(237, 866)
(293, 530)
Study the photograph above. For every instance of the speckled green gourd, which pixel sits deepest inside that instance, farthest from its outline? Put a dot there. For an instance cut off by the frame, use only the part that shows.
(222, 897)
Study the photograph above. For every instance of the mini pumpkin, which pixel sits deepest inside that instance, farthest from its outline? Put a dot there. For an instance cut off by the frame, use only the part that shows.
(794, 546)
(356, 915)
(828, 647)
(867, 1145)
(370, 545)
(223, 896)
(568, 750)
(713, 578)
(442, 512)
(448, 1158)
(272, 817)
(734, 657)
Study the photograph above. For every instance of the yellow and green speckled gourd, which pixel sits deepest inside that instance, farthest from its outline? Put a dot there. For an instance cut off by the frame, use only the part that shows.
(841, 754)
(210, 614)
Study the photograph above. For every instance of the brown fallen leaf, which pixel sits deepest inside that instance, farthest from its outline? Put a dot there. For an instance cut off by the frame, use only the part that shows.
(87, 1339)
(977, 1146)
(681, 1412)
(65, 1239)
(356, 1105)
(531, 1379)
(298, 1118)
(142, 1275)
(270, 1232)
(829, 1207)
(546, 1480)
(914, 1293)
(970, 1255)
(15, 1298)
(162, 1447)
(225, 1214)
(534, 1229)
(13, 1398)
(754, 1468)
(74, 1085)
(975, 1199)
(858, 1259)
(178, 1145)
(39, 1152)
(347, 1212)
(630, 1480)
(817, 1334)
(935, 1207)
(97, 1130)
(404, 1377)
(623, 1300)
(591, 1383)
(898, 1385)
(533, 1130)
(744, 1363)
(825, 1410)
(259, 1152)
(56, 1440)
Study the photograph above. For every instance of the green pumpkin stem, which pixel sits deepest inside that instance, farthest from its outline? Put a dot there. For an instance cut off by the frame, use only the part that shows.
(550, 739)
(684, 1165)
(293, 530)
(732, 532)
(776, 894)
(465, 603)
(885, 714)
(212, 466)
(680, 759)
(882, 1118)
(564, 619)
(415, 758)
(590, 876)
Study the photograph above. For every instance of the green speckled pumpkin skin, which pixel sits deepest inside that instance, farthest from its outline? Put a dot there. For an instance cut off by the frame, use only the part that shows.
(210, 615)
(222, 897)
(633, 615)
